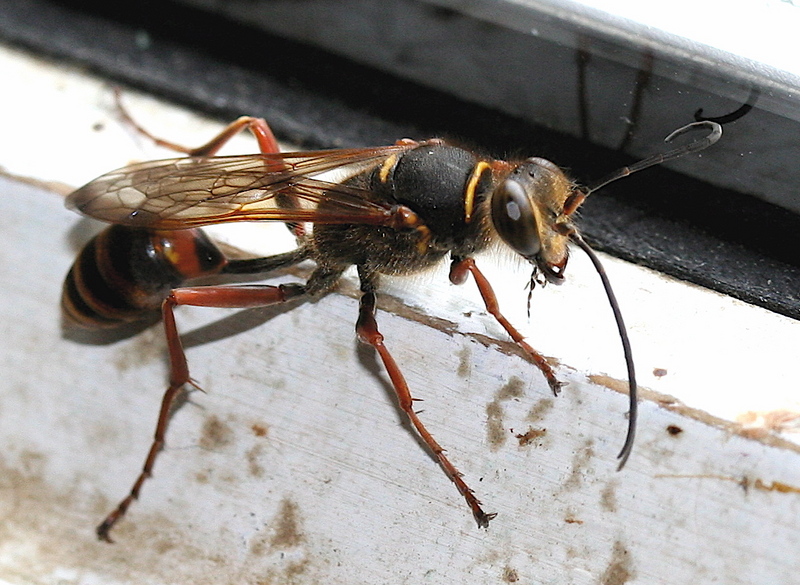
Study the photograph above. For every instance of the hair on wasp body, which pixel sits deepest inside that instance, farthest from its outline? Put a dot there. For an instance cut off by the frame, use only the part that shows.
(402, 209)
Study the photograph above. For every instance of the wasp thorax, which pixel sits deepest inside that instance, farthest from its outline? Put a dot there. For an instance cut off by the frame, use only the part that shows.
(526, 208)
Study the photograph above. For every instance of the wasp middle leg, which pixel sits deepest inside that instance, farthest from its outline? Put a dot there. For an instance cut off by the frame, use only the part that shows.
(367, 330)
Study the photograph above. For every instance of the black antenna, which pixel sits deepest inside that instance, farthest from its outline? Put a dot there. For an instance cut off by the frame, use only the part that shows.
(694, 146)
(572, 204)
(626, 348)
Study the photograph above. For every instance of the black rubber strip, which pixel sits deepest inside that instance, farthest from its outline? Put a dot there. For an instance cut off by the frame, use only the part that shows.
(710, 236)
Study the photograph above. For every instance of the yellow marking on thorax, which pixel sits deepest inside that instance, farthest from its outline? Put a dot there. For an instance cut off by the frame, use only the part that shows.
(424, 240)
(472, 185)
(386, 168)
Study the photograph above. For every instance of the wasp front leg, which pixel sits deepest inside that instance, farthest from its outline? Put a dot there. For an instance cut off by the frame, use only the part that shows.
(367, 330)
(232, 297)
(458, 274)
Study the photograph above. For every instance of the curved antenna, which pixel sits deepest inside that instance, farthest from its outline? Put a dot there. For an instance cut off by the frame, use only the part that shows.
(574, 201)
(715, 133)
(626, 348)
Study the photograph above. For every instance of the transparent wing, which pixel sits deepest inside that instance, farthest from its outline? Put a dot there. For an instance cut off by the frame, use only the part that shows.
(189, 192)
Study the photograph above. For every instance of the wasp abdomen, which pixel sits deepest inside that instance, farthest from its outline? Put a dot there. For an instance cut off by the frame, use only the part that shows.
(124, 273)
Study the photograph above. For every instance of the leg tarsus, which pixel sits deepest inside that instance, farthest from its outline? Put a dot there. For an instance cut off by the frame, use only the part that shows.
(104, 529)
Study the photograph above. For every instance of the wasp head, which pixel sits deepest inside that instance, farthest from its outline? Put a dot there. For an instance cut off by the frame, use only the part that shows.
(531, 211)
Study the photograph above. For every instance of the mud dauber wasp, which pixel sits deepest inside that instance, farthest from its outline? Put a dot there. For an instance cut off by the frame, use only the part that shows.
(398, 210)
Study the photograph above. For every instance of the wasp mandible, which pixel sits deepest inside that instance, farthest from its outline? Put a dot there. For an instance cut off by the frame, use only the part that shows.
(399, 210)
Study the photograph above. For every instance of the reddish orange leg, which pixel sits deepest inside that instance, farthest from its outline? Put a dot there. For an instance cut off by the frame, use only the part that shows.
(267, 143)
(234, 297)
(367, 329)
(458, 274)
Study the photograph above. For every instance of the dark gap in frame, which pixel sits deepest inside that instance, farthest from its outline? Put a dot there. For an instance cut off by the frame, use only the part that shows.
(711, 236)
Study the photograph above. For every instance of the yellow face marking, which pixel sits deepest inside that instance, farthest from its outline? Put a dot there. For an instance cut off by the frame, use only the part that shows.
(472, 185)
(386, 168)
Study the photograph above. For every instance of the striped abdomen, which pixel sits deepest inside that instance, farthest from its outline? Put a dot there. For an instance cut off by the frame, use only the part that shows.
(123, 274)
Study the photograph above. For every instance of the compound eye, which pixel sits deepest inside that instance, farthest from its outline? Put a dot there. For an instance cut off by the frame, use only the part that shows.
(514, 218)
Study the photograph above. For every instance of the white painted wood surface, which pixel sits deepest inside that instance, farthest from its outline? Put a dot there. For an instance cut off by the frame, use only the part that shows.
(295, 466)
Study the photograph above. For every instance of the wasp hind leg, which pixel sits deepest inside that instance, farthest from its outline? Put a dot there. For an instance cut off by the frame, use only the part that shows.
(367, 330)
(267, 143)
(234, 297)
